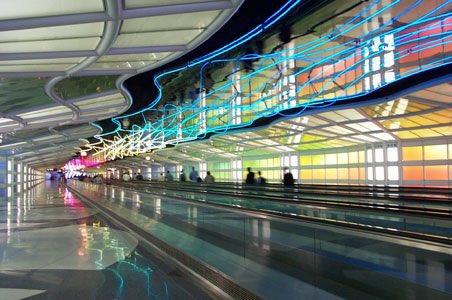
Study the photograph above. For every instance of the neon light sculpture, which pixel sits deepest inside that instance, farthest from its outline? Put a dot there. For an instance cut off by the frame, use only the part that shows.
(314, 74)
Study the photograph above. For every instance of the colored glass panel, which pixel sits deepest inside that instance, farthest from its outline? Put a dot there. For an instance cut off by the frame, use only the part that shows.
(413, 173)
(342, 173)
(306, 174)
(331, 173)
(436, 173)
(361, 157)
(354, 174)
(318, 174)
(318, 159)
(412, 153)
(353, 157)
(305, 160)
(434, 152)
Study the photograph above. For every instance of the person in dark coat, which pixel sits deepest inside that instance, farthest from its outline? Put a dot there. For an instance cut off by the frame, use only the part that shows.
(288, 178)
(250, 177)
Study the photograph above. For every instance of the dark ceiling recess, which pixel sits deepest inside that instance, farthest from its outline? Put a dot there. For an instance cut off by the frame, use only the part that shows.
(249, 15)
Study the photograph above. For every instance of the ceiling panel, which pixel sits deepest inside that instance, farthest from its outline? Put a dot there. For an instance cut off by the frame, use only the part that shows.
(195, 20)
(169, 38)
(45, 34)
(134, 57)
(22, 93)
(41, 8)
(35, 68)
(69, 60)
(51, 45)
(147, 3)
(45, 112)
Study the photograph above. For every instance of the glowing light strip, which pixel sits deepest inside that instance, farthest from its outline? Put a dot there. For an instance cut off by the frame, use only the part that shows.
(281, 89)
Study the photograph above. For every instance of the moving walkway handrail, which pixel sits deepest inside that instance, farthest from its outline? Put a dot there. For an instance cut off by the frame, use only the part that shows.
(399, 209)
(341, 223)
(398, 189)
(436, 212)
(295, 190)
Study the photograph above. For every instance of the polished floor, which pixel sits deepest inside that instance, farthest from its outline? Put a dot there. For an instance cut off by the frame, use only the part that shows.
(278, 258)
(53, 246)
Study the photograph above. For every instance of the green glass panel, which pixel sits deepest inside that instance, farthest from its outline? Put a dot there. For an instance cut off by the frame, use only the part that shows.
(22, 93)
(74, 87)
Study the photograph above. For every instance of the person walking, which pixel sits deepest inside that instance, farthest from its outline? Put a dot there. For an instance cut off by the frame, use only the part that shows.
(161, 177)
(193, 175)
(126, 177)
(288, 178)
(168, 176)
(182, 177)
(250, 177)
(260, 178)
(209, 178)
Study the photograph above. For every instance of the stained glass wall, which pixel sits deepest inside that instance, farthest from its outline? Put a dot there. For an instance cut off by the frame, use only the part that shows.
(421, 163)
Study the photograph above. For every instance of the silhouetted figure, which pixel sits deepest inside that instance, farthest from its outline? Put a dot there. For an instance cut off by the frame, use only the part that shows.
(194, 175)
(260, 178)
(209, 178)
(250, 177)
(126, 177)
(288, 178)
(182, 176)
(168, 176)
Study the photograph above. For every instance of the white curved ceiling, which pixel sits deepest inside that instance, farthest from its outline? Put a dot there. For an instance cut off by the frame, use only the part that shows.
(63, 63)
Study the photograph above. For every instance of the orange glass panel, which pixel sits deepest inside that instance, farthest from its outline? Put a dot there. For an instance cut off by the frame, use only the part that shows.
(354, 174)
(413, 173)
(318, 174)
(331, 173)
(405, 135)
(450, 174)
(435, 152)
(447, 28)
(436, 173)
(435, 28)
(342, 173)
(306, 174)
(426, 133)
(361, 157)
(327, 71)
(405, 50)
(362, 174)
(412, 153)
(339, 66)
(303, 77)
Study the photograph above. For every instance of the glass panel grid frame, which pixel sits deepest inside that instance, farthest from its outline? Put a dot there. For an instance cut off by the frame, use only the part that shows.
(46, 34)
(75, 44)
(43, 8)
(149, 3)
(193, 20)
(165, 38)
